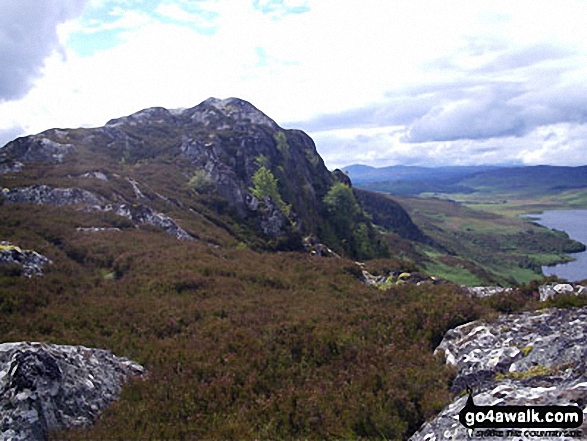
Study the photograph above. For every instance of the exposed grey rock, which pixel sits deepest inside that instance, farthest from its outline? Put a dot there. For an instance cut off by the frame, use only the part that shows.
(95, 174)
(32, 263)
(241, 110)
(45, 195)
(485, 291)
(96, 229)
(47, 387)
(143, 214)
(533, 358)
(146, 116)
(550, 290)
(272, 220)
(37, 148)
(135, 186)
(10, 167)
(205, 155)
(313, 246)
(392, 278)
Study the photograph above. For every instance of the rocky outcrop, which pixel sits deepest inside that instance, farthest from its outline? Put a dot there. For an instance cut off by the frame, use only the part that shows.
(390, 279)
(96, 229)
(313, 246)
(37, 148)
(533, 358)
(95, 174)
(272, 221)
(390, 215)
(226, 139)
(31, 262)
(45, 387)
(551, 290)
(216, 148)
(10, 167)
(145, 215)
(485, 291)
(45, 195)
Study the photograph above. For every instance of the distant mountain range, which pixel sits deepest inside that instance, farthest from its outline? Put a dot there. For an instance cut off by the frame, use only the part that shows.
(410, 180)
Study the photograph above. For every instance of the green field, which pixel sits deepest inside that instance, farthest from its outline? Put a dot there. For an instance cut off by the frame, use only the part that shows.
(482, 239)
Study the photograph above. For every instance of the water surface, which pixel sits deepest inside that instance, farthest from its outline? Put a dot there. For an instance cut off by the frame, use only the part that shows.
(574, 223)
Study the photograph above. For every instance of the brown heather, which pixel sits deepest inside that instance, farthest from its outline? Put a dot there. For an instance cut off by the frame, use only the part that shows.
(238, 343)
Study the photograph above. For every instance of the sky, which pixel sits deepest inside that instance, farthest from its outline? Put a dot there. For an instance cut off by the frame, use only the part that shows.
(375, 82)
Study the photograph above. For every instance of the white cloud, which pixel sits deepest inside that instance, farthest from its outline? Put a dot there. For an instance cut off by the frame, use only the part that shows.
(461, 81)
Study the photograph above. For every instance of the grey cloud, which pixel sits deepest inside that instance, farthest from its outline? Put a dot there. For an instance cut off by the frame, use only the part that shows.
(471, 110)
(396, 110)
(500, 110)
(525, 57)
(27, 36)
(522, 88)
(479, 113)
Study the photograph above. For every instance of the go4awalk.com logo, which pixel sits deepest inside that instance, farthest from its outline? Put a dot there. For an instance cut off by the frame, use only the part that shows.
(536, 422)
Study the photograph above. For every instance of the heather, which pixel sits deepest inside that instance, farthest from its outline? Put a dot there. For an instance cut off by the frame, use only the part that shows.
(238, 343)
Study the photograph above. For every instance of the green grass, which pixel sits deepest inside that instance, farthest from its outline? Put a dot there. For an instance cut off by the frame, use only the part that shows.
(455, 274)
(477, 245)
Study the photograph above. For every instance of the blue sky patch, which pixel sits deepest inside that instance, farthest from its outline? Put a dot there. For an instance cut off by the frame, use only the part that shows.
(279, 8)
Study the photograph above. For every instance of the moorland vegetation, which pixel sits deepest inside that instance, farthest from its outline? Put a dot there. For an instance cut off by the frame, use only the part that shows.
(244, 333)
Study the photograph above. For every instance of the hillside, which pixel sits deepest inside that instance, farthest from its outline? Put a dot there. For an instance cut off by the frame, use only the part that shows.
(155, 237)
(471, 217)
(223, 161)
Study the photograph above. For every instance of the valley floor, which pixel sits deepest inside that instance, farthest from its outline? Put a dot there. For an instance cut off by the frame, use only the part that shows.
(484, 240)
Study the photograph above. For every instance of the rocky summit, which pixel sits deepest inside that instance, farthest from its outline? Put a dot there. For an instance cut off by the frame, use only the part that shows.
(223, 153)
(533, 358)
(45, 387)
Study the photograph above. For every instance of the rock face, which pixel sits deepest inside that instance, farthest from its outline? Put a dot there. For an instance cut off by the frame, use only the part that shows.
(45, 195)
(38, 148)
(47, 387)
(32, 263)
(390, 215)
(143, 214)
(534, 358)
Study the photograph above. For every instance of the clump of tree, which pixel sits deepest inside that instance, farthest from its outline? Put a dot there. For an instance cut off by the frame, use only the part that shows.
(354, 232)
(201, 181)
(265, 186)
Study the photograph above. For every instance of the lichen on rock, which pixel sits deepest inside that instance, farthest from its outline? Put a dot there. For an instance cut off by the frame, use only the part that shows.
(46, 387)
(32, 263)
(533, 358)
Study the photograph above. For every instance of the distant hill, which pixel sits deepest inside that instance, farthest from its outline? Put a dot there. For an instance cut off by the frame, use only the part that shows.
(529, 180)
(411, 181)
(364, 173)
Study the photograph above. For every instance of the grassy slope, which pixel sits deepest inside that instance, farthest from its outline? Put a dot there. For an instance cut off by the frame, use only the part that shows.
(485, 241)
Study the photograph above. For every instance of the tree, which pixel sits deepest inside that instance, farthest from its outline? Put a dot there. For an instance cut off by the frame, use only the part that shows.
(343, 207)
(265, 185)
(353, 230)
